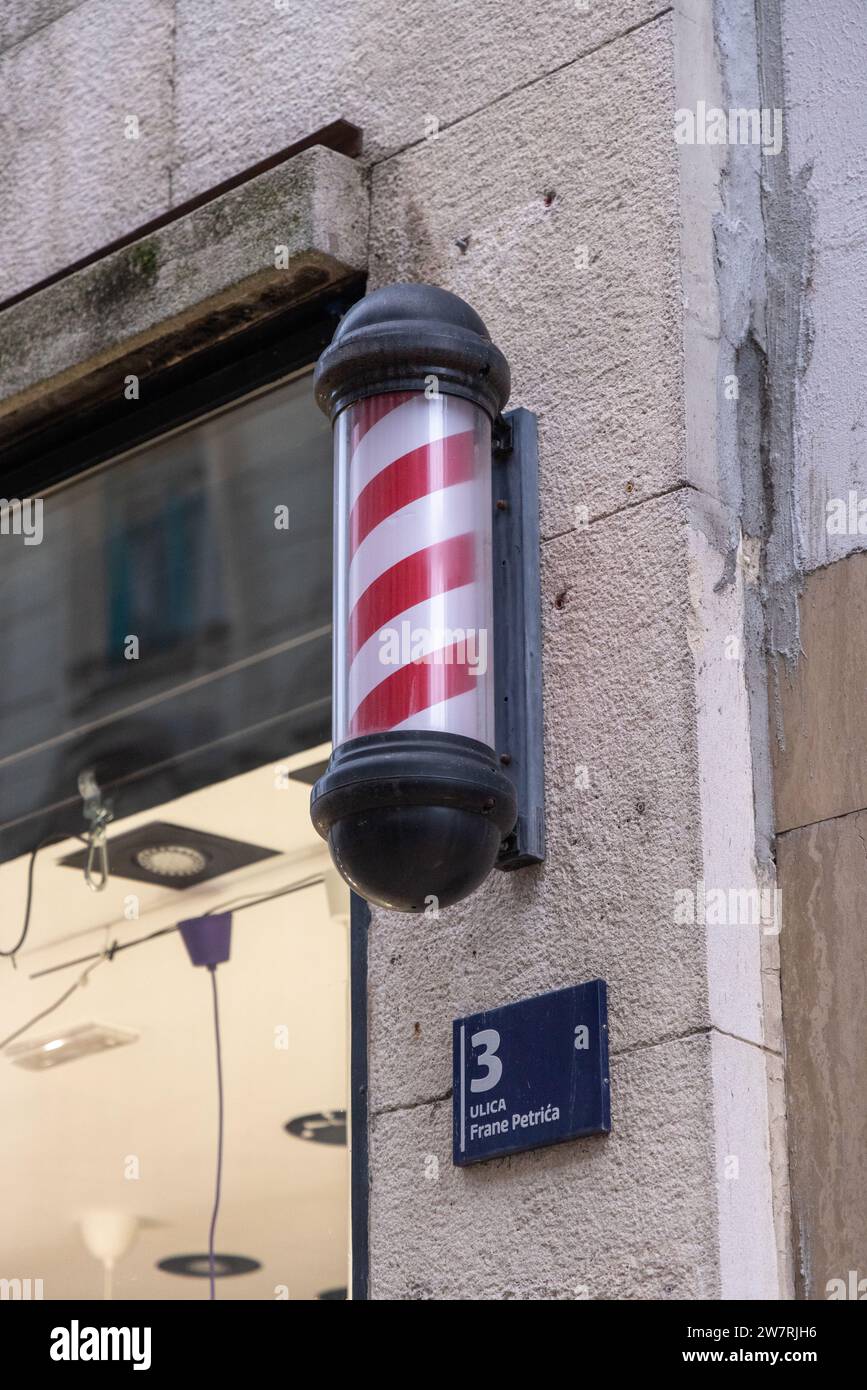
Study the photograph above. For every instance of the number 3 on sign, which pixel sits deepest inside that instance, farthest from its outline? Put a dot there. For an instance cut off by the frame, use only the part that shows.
(489, 1040)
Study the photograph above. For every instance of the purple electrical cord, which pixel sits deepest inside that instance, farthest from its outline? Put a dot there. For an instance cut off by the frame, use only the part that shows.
(211, 1261)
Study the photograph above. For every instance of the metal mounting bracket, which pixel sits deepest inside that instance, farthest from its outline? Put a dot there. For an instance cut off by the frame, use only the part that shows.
(518, 632)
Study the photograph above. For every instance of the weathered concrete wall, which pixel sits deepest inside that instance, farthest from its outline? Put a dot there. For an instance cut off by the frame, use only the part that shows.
(628, 1217)
(525, 159)
(638, 691)
(283, 67)
(73, 179)
(24, 17)
(215, 87)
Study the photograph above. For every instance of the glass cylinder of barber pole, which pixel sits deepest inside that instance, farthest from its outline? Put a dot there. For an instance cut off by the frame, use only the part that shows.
(413, 617)
(414, 803)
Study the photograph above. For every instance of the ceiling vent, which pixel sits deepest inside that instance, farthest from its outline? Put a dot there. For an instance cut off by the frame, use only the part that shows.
(173, 856)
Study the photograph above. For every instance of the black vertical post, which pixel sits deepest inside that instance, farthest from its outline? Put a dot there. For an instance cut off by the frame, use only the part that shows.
(359, 923)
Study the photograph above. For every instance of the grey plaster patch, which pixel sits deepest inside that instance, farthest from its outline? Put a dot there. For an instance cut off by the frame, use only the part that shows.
(795, 328)
(789, 233)
(630, 1215)
(740, 253)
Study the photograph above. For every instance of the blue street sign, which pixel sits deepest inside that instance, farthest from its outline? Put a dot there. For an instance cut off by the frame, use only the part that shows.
(531, 1073)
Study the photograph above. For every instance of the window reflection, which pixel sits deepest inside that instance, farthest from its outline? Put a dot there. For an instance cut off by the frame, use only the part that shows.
(180, 596)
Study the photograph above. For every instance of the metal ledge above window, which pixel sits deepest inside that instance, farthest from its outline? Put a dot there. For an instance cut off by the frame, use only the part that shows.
(277, 240)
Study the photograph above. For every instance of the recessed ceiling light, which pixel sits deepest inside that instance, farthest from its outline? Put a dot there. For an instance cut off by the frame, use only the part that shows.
(323, 1127)
(173, 856)
(171, 861)
(40, 1053)
(199, 1266)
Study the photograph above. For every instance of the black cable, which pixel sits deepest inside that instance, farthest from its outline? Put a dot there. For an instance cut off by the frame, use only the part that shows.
(211, 1259)
(238, 904)
(116, 947)
(43, 844)
(165, 931)
(56, 1005)
(113, 950)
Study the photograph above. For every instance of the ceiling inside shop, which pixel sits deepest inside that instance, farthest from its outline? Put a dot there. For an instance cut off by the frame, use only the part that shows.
(73, 1134)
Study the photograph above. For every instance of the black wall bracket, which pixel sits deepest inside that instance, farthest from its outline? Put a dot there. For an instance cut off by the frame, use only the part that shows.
(518, 632)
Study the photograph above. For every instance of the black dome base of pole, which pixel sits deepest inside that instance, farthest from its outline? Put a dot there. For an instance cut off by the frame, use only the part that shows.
(414, 821)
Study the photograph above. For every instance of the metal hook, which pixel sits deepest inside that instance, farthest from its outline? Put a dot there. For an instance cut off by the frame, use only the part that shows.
(98, 813)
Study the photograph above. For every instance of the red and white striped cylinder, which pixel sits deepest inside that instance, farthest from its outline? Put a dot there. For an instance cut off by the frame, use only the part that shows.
(415, 802)
(412, 563)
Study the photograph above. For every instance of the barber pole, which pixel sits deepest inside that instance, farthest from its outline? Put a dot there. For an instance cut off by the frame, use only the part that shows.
(415, 804)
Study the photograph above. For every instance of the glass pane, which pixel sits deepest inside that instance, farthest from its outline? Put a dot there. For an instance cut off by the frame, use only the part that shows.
(412, 597)
(166, 622)
(165, 603)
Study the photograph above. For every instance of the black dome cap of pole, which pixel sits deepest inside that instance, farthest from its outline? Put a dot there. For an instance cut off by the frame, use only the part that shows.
(398, 337)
